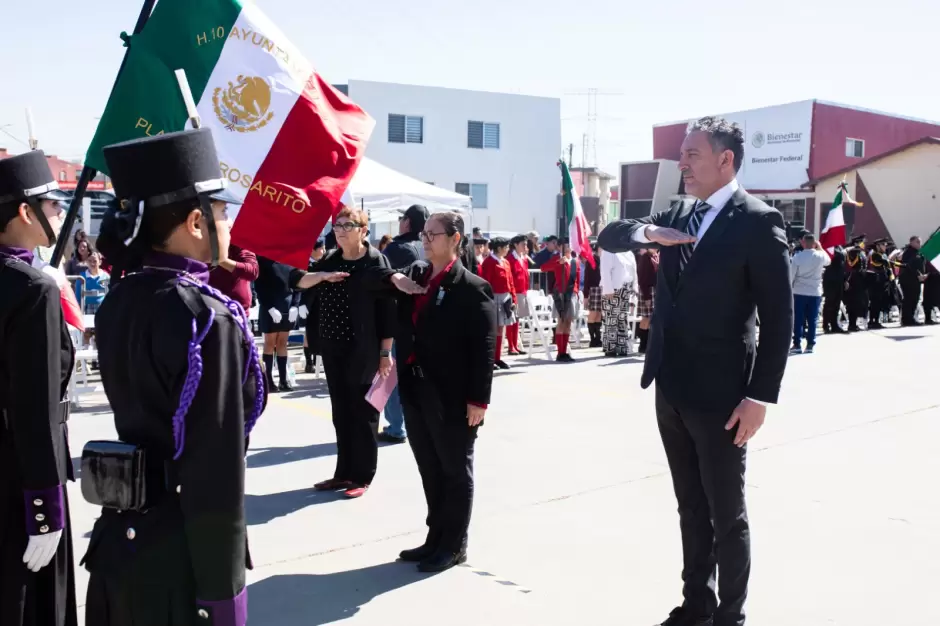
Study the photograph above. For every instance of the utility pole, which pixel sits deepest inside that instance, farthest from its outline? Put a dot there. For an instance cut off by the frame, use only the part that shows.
(570, 155)
(590, 136)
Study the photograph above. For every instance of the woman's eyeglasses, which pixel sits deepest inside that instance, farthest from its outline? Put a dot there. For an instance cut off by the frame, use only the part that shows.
(427, 235)
(347, 226)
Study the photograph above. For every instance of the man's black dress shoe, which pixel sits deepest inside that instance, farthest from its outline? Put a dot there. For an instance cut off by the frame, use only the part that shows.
(681, 617)
(442, 560)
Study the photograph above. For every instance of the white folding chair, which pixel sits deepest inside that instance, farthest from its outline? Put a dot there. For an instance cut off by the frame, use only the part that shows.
(540, 322)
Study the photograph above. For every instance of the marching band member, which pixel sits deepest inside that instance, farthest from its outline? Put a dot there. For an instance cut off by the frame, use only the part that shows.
(37, 583)
(184, 381)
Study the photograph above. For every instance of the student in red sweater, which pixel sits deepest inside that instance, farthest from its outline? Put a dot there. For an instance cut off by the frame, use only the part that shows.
(519, 264)
(566, 271)
(234, 275)
(496, 271)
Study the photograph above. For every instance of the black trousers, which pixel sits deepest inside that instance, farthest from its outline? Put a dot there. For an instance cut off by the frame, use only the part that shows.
(353, 419)
(46, 598)
(911, 298)
(442, 443)
(708, 477)
(830, 313)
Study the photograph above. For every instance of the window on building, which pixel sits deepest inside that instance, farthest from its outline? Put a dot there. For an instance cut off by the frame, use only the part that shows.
(793, 211)
(63, 175)
(483, 135)
(405, 129)
(477, 191)
(855, 148)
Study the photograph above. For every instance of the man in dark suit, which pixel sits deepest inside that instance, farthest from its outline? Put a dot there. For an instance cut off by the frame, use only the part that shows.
(723, 261)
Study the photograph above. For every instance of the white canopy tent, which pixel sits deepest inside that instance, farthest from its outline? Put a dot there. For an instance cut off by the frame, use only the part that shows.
(385, 193)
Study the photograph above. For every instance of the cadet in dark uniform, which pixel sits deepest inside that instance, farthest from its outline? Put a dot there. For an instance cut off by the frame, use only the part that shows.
(37, 584)
(185, 383)
(880, 282)
(834, 277)
(856, 294)
(913, 274)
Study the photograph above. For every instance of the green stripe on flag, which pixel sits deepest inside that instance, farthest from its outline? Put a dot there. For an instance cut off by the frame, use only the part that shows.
(146, 100)
(567, 187)
(931, 249)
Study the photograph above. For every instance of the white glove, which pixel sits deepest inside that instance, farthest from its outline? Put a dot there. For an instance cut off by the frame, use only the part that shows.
(40, 550)
(276, 316)
(292, 314)
(304, 311)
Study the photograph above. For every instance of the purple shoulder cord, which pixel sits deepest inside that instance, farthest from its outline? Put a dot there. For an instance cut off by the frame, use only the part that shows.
(194, 367)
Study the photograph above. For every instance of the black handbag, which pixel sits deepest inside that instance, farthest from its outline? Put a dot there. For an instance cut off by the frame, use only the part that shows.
(114, 475)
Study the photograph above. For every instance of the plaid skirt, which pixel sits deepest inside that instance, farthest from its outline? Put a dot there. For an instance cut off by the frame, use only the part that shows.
(505, 316)
(595, 303)
(566, 306)
(645, 307)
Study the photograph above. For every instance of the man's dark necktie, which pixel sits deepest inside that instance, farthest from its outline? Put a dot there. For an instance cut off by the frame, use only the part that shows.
(698, 214)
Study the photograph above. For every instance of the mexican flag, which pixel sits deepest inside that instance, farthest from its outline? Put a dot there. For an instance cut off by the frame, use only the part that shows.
(288, 141)
(578, 229)
(833, 233)
(931, 249)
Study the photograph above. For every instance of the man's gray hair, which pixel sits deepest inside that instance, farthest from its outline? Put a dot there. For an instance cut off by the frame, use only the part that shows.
(722, 135)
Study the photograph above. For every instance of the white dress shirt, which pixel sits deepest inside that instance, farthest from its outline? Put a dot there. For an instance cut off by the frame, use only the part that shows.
(716, 202)
(617, 269)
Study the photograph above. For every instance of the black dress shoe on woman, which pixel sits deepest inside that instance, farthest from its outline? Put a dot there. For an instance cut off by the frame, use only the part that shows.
(442, 560)
(416, 555)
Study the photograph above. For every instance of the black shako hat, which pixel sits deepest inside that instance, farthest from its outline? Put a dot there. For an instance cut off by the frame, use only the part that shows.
(165, 170)
(27, 178)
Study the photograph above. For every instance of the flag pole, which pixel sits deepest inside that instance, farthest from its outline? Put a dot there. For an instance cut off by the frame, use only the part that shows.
(88, 173)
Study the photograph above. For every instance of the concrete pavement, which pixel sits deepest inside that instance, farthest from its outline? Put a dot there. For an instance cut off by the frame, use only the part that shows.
(575, 521)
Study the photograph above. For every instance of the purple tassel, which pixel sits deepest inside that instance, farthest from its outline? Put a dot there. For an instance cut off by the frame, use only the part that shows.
(194, 372)
(190, 384)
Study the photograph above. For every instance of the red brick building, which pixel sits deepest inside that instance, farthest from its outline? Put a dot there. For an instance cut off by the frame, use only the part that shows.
(787, 148)
(66, 172)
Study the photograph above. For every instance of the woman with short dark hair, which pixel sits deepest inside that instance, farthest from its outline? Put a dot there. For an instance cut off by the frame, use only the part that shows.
(446, 343)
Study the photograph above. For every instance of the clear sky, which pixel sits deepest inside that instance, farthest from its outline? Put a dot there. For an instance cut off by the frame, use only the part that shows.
(668, 60)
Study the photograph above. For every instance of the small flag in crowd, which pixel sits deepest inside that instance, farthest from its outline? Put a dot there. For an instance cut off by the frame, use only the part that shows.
(288, 141)
(931, 249)
(833, 233)
(578, 229)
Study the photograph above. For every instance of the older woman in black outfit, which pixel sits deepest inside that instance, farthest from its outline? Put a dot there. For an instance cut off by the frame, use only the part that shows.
(354, 337)
(446, 348)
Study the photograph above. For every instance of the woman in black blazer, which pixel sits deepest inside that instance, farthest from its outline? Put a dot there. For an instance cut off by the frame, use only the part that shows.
(446, 342)
(354, 333)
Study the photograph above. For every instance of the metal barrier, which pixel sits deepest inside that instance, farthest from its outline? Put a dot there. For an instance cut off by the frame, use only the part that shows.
(538, 281)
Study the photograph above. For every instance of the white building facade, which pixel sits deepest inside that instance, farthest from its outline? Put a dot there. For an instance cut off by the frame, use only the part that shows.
(501, 149)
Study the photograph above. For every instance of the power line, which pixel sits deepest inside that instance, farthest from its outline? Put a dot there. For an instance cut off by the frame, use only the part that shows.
(11, 136)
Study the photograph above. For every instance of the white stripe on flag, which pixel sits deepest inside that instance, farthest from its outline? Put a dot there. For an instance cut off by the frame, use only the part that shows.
(254, 108)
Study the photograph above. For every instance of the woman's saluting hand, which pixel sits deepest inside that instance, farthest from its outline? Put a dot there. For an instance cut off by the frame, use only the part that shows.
(406, 285)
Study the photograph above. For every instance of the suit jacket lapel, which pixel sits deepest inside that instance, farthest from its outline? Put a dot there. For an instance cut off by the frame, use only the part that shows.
(669, 256)
(717, 228)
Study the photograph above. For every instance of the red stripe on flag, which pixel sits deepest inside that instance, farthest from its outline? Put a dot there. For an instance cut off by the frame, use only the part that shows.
(299, 185)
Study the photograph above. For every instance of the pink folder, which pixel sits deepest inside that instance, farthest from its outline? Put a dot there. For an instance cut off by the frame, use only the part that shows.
(381, 389)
